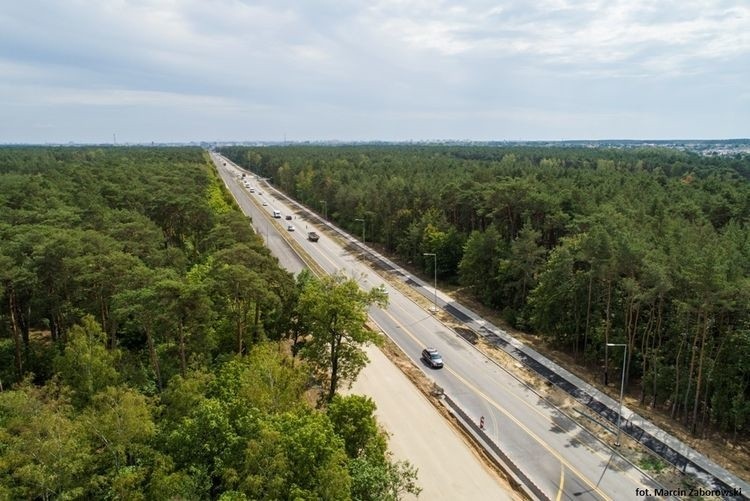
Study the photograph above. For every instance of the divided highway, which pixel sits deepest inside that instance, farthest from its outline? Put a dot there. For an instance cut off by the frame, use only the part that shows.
(448, 469)
(562, 459)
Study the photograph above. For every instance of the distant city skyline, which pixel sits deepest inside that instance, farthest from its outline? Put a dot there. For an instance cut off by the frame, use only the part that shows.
(381, 70)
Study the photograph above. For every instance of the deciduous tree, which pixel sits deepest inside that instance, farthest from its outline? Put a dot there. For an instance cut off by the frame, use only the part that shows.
(336, 308)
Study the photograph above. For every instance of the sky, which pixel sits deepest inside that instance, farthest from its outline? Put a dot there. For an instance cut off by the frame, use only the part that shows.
(96, 71)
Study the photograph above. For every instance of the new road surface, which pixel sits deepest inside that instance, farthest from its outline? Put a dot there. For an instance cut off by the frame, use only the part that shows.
(561, 459)
(448, 468)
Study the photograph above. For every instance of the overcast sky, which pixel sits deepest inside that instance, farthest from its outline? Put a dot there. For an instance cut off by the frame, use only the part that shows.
(184, 70)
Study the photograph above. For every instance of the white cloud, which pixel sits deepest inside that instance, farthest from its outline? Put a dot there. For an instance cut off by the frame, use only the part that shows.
(582, 33)
(125, 97)
(283, 64)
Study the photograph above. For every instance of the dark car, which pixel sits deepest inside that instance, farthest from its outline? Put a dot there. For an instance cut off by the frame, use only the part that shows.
(313, 237)
(432, 357)
(288, 217)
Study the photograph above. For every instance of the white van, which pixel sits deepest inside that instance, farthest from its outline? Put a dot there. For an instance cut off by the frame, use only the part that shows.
(277, 214)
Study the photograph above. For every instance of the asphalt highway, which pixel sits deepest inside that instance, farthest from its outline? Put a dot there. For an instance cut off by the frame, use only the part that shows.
(560, 457)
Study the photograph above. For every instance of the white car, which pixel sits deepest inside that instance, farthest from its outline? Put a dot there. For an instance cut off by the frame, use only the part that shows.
(265, 203)
(289, 227)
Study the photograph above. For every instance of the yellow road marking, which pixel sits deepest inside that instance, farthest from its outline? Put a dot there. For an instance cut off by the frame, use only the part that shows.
(507, 414)
(533, 435)
(563, 462)
(519, 398)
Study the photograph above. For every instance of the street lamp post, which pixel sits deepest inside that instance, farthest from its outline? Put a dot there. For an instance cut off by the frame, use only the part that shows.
(622, 386)
(434, 269)
(325, 209)
(363, 229)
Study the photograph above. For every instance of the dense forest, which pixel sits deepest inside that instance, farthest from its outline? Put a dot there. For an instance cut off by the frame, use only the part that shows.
(648, 247)
(152, 348)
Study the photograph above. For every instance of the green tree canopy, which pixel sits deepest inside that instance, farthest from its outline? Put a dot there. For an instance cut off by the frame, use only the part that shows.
(336, 309)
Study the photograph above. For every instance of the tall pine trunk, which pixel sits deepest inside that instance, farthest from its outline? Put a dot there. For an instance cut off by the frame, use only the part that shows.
(676, 391)
(691, 371)
(645, 341)
(588, 314)
(700, 375)
(154, 358)
(183, 361)
(606, 333)
(16, 333)
(654, 363)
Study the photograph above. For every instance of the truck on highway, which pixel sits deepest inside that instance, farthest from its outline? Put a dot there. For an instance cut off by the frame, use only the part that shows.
(312, 236)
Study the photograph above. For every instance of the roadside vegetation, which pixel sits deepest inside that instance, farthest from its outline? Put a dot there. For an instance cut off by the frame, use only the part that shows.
(584, 247)
(152, 348)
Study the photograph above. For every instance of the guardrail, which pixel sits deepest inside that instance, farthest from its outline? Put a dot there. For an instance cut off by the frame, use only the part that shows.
(504, 462)
(593, 399)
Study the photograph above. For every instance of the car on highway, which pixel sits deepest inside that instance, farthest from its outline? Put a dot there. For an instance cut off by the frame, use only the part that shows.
(264, 203)
(288, 217)
(313, 237)
(432, 357)
(289, 227)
